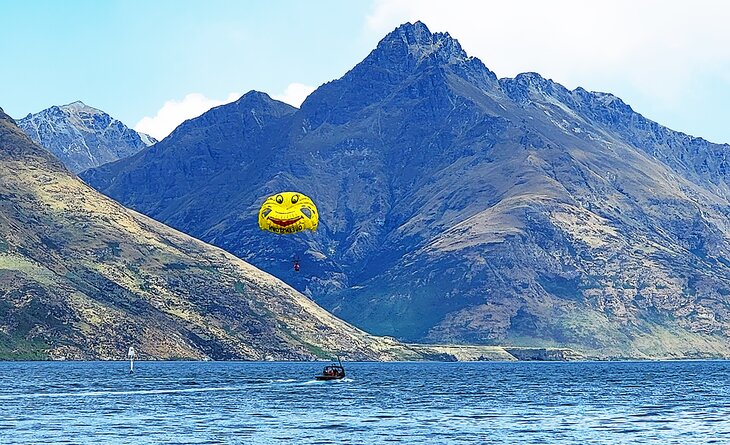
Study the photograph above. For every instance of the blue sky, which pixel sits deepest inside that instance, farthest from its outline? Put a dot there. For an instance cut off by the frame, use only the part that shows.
(155, 63)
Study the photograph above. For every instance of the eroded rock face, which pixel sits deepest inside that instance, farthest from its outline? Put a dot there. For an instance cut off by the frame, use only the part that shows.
(82, 136)
(458, 207)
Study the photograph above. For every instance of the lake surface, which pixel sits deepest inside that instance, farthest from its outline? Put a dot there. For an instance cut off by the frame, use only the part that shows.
(409, 403)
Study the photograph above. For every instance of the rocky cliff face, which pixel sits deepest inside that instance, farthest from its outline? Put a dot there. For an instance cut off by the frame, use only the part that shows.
(83, 137)
(82, 277)
(456, 207)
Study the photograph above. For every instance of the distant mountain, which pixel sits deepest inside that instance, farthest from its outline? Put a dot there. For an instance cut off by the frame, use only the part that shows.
(83, 137)
(82, 277)
(458, 207)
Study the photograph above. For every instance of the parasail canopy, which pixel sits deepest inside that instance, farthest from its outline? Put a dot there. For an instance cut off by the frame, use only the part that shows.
(288, 212)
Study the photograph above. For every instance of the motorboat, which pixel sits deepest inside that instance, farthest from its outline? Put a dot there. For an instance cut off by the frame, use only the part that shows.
(332, 372)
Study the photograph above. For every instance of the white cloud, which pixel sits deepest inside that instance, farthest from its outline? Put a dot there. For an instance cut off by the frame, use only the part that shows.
(175, 112)
(294, 94)
(656, 51)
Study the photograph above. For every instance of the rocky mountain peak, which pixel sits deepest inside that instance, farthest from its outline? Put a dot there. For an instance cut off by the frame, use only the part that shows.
(409, 54)
(534, 80)
(415, 41)
(254, 107)
(82, 136)
(257, 100)
(78, 105)
(255, 96)
(416, 32)
(611, 101)
(527, 85)
(85, 117)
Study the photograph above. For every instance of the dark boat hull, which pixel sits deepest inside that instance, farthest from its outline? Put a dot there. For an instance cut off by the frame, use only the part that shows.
(329, 377)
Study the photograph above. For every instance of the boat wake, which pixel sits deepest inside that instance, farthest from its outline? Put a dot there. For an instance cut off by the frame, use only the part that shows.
(324, 382)
(116, 393)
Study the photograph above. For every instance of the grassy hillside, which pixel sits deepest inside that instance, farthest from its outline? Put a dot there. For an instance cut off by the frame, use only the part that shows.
(82, 277)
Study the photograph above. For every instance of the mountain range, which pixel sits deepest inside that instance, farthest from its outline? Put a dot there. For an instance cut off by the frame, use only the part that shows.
(82, 136)
(459, 207)
(82, 277)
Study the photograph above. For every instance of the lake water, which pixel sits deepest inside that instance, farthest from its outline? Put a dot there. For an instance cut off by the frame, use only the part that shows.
(409, 403)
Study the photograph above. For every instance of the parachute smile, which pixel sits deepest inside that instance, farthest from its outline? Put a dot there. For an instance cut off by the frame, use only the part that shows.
(284, 222)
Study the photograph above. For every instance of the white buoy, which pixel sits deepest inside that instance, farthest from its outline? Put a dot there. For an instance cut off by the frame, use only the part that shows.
(130, 355)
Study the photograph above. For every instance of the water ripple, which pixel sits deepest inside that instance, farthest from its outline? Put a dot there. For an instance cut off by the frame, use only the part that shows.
(444, 403)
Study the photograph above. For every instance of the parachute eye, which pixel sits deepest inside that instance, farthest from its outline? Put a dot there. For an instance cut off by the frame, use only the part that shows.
(279, 199)
(294, 199)
(306, 212)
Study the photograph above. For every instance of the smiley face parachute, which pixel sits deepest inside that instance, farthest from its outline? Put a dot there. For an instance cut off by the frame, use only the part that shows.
(288, 212)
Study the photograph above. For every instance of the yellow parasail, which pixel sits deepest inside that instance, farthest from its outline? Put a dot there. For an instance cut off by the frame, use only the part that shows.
(288, 212)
